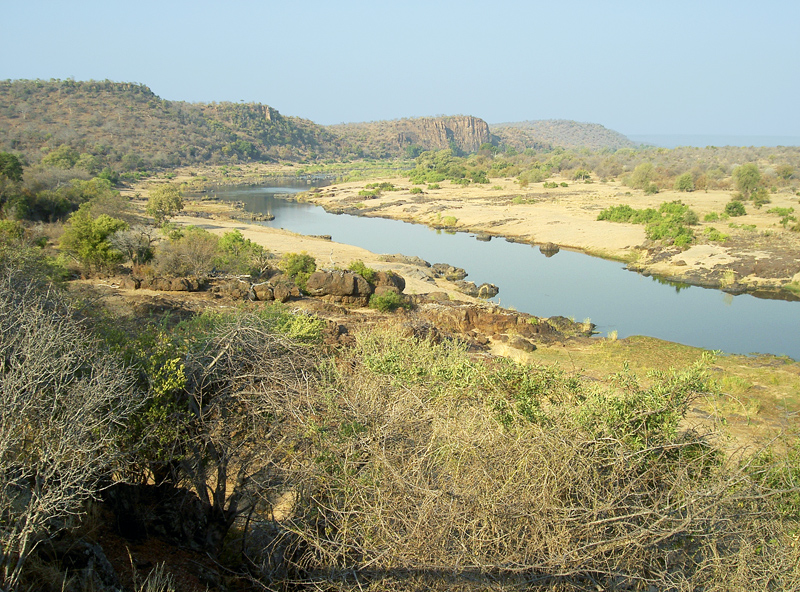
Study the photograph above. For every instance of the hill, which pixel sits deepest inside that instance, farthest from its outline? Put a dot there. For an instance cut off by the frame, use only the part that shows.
(129, 128)
(559, 132)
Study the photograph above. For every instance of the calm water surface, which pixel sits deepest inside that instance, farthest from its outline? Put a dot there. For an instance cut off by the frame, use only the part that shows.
(568, 284)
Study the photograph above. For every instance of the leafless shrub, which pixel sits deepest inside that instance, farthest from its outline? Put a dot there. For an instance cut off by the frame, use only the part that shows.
(241, 379)
(410, 487)
(61, 401)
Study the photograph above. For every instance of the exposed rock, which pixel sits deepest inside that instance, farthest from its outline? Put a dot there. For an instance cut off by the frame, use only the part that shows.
(448, 272)
(284, 290)
(482, 291)
(337, 283)
(263, 292)
(549, 249)
(85, 562)
(488, 291)
(521, 343)
(483, 237)
(409, 260)
(389, 279)
(168, 284)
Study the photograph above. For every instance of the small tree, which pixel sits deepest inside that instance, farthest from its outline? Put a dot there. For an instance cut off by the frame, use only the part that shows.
(684, 183)
(165, 202)
(87, 238)
(747, 178)
(298, 266)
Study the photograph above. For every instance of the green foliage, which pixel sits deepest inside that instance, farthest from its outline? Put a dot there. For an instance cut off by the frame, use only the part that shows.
(367, 273)
(785, 215)
(735, 208)
(581, 175)
(369, 193)
(299, 267)
(747, 178)
(87, 238)
(431, 187)
(642, 176)
(165, 201)
(63, 157)
(383, 186)
(388, 302)
(684, 182)
(711, 217)
(550, 185)
(190, 252)
(670, 222)
(644, 417)
(10, 167)
(239, 255)
(416, 190)
(715, 235)
(625, 213)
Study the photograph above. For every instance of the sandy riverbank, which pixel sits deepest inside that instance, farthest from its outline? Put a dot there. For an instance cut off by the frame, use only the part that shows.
(758, 255)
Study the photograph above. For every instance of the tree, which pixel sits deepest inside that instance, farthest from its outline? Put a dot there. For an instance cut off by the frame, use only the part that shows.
(747, 178)
(684, 183)
(165, 202)
(641, 176)
(135, 242)
(87, 238)
(63, 400)
(10, 167)
(63, 157)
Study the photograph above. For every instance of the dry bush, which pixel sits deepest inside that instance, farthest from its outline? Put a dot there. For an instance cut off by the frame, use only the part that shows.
(413, 479)
(62, 400)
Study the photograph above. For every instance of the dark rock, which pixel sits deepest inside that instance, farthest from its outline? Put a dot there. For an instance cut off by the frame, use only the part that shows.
(390, 279)
(488, 291)
(521, 343)
(338, 283)
(448, 272)
(282, 291)
(549, 249)
(483, 237)
(381, 290)
(84, 561)
(409, 260)
(130, 283)
(263, 292)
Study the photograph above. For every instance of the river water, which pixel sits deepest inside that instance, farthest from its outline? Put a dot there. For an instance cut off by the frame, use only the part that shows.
(568, 284)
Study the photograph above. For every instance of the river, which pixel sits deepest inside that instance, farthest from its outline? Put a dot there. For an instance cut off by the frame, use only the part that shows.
(568, 284)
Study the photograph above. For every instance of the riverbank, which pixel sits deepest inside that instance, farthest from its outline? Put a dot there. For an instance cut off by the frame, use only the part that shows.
(758, 255)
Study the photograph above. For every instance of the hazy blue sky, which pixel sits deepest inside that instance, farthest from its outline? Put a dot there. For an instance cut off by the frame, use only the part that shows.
(659, 67)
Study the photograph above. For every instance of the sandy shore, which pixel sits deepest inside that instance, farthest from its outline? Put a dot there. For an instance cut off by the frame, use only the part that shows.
(759, 252)
(328, 254)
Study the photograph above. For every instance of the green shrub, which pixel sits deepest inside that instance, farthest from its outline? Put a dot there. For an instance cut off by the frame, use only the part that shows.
(684, 182)
(711, 217)
(416, 190)
(785, 215)
(298, 266)
(367, 273)
(369, 193)
(715, 235)
(87, 239)
(433, 186)
(388, 302)
(191, 251)
(735, 208)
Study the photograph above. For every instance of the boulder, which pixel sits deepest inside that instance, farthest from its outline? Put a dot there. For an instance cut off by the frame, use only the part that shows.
(549, 249)
(488, 291)
(448, 272)
(389, 279)
(338, 283)
(263, 292)
(282, 291)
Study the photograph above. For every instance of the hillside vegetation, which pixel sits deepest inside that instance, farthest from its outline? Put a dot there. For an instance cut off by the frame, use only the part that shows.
(562, 133)
(127, 127)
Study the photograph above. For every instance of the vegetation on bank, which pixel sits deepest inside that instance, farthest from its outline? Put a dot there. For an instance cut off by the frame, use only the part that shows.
(408, 463)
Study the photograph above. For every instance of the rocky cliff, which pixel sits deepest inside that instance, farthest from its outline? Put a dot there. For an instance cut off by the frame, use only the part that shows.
(390, 138)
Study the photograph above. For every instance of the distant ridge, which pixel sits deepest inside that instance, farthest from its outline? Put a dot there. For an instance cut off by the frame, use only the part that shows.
(564, 133)
(127, 127)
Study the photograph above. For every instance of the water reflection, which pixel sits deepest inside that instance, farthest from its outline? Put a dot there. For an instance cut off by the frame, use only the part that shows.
(571, 285)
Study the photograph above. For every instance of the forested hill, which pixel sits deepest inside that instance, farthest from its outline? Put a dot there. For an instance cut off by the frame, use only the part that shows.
(559, 132)
(127, 127)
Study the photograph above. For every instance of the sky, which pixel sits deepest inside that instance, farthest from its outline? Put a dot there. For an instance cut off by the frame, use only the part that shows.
(637, 67)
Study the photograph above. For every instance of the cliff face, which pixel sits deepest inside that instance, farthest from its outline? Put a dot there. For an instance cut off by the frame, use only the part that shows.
(391, 138)
(466, 132)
